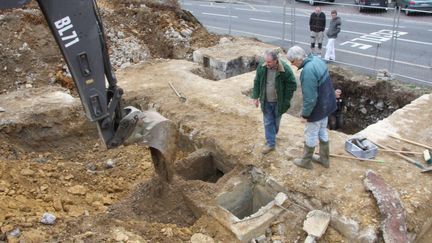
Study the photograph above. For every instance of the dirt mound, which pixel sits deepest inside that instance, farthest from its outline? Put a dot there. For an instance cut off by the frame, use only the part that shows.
(136, 31)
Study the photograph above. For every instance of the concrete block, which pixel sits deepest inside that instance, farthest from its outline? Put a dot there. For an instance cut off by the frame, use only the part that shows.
(316, 223)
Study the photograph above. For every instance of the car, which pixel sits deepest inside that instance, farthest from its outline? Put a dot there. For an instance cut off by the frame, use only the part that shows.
(424, 5)
(372, 3)
(313, 2)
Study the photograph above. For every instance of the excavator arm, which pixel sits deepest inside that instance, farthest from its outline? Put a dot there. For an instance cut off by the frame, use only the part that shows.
(79, 32)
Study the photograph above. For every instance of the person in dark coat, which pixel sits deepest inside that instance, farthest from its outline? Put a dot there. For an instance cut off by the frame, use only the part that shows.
(336, 118)
(317, 24)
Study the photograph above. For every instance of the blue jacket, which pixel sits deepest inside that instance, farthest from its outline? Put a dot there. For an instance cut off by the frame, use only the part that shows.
(319, 99)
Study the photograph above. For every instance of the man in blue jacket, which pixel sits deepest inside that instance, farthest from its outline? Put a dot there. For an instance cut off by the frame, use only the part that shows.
(319, 102)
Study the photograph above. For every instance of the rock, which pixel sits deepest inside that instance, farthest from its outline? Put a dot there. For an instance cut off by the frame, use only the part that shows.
(316, 223)
(367, 236)
(27, 172)
(120, 35)
(260, 239)
(120, 236)
(68, 177)
(201, 238)
(91, 167)
(363, 111)
(48, 219)
(347, 227)
(15, 233)
(41, 160)
(2, 109)
(109, 164)
(380, 105)
(77, 190)
(57, 204)
(393, 213)
(310, 239)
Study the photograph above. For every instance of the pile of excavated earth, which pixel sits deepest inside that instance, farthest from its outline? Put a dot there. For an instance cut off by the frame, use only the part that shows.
(59, 183)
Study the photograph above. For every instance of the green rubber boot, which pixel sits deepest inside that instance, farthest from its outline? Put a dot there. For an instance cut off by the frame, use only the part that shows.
(324, 157)
(306, 161)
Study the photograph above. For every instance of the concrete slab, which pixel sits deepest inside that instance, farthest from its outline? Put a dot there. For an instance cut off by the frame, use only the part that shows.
(231, 58)
(316, 223)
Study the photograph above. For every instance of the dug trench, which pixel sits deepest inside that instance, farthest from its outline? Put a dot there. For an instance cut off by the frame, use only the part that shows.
(130, 199)
(368, 101)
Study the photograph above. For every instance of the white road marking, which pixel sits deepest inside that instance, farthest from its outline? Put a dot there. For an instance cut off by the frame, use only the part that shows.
(308, 44)
(211, 6)
(363, 22)
(253, 10)
(268, 21)
(245, 32)
(417, 42)
(220, 15)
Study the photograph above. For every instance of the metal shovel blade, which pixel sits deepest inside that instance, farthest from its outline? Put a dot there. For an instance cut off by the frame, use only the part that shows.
(160, 135)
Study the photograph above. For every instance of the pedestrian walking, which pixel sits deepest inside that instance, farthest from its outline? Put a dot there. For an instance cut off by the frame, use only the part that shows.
(332, 33)
(336, 119)
(317, 23)
(274, 86)
(319, 102)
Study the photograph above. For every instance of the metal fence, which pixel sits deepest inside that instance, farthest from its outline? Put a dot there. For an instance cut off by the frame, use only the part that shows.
(374, 39)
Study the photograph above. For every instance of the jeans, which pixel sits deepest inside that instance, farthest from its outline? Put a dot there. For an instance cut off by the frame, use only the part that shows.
(271, 123)
(315, 130)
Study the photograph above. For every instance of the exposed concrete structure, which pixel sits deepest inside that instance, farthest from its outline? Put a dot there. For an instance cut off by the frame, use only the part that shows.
(231, 58)
(220, 113)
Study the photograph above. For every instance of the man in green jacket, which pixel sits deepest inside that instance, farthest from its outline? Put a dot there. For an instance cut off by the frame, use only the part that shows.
(274, 86)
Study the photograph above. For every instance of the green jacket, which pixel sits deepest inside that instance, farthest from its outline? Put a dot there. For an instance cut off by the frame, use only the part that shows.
(285, 86)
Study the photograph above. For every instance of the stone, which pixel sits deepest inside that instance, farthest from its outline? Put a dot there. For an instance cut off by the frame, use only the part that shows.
(393, 212)
(2, 109)
(77, 190)
(316, 223)
(91, 166)
(41, 160)
(260, 239)
(367, 235)
(380, 105)
(346, 226)
(120, 35)
(48, 219)
(310, 239)
(15, 233)
(109, 164)
(201, 238)
(363, 111)
(27, 172)
(57, 204)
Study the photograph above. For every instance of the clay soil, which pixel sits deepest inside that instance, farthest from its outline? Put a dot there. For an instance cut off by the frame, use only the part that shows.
(67, 176)
(64, 170)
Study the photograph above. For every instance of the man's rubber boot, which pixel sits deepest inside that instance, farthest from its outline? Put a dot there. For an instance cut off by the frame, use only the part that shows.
(306, 161)
(324, 157)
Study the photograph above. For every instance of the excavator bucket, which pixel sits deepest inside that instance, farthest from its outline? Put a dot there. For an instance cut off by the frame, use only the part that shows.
(160, 135)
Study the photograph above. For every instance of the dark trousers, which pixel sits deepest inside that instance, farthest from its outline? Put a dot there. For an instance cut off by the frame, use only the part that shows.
(336, 121)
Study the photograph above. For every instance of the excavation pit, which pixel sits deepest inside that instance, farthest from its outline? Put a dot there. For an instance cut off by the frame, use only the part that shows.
(201, 165)
(246, 204)
(367, 101)
(245, 199)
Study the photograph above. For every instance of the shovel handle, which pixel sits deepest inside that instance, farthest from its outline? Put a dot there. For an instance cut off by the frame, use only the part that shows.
(411, 142)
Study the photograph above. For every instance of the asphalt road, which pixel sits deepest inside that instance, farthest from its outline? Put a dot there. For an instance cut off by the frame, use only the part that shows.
(365, 42)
